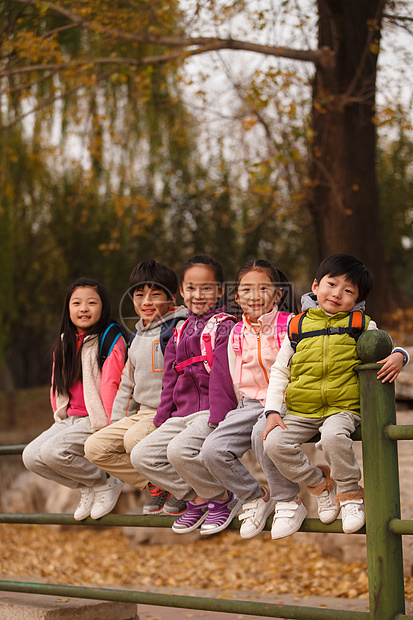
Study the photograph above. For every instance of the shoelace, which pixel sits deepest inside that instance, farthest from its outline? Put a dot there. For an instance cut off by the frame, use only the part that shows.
(324, 500)
(351, 509)
(84, 497)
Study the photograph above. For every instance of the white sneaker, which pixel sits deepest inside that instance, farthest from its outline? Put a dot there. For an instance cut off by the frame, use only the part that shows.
(106, 496)
(353, 515)
(288, 518)
(87, 495)
(255, 515)
(326, 506)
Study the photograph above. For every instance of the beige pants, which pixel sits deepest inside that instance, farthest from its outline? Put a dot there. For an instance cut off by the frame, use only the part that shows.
(110, 447)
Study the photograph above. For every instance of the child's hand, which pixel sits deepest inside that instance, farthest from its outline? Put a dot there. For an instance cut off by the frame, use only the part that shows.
(273, 420)
(391, 368)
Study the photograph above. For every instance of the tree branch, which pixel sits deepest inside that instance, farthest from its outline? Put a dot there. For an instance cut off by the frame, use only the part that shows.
(205, 44)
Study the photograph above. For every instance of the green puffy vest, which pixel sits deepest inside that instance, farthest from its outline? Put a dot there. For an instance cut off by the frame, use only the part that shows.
(323, 379)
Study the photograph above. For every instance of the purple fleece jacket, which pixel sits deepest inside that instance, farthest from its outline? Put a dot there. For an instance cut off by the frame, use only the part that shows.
(195, 389)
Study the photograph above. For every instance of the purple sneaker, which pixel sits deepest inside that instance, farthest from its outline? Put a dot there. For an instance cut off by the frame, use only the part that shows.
(220, 514)
(193, 517)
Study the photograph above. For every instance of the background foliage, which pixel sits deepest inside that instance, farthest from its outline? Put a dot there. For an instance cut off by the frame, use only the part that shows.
(115, 147)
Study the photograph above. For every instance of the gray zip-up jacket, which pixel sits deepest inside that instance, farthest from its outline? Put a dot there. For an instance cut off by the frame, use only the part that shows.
(141, 382)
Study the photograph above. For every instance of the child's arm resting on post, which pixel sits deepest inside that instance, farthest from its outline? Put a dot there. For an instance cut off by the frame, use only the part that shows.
(393, 363)
(279, 379)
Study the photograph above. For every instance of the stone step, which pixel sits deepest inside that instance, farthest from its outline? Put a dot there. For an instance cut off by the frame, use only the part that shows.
(22, 606)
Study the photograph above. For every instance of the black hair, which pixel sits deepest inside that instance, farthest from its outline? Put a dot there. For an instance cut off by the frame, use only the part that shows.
(67, 360)
(287, 302)
(208, 261)
(155, 275)
(212, 264)
(350, 267)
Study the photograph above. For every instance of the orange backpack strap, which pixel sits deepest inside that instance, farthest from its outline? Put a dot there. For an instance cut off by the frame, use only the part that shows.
(295, 329)
(357, 324)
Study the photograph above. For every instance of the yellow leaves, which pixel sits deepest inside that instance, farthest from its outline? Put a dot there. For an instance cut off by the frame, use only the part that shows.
(226, 562)
(248, 123)
(35, 48)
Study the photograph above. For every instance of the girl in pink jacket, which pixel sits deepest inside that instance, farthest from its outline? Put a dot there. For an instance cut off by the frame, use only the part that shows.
(267, 301)
(86, 376)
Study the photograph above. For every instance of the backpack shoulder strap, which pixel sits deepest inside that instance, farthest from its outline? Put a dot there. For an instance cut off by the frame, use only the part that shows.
(357, 324)
(167, 331)
(208, 337)
(236, 338)
(281, 326)
(295, 329)
(177, 332)
(109, 338)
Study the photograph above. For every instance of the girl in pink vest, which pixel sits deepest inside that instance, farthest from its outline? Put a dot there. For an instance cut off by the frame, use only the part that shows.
(86, 376)
(267, 301)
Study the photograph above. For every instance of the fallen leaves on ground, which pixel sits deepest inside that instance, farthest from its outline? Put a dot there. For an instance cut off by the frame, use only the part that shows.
(103, 558)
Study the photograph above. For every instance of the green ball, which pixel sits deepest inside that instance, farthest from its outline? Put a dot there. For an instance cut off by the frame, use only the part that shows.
(374, 345)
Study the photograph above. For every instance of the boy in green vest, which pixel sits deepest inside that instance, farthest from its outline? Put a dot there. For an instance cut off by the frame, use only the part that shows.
(317, 364)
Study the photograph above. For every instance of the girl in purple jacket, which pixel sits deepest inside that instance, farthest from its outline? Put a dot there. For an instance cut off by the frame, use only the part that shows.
(196, 396)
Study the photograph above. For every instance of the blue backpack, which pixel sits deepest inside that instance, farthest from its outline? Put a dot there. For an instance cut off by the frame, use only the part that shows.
(110, 337)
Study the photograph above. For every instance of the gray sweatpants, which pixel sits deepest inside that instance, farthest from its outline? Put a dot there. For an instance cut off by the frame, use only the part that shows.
(283, 447)
(58, 454)
(169, 458)
(229, 442)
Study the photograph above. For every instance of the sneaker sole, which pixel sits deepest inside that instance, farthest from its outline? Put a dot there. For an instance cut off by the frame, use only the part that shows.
(80, 518)
(331, 519)
(232, 514)
(354, 530)
(158, 511)
(193, 527)
(174, 514)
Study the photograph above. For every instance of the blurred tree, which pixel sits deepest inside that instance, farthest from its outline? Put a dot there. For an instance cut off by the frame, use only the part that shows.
(117, 169)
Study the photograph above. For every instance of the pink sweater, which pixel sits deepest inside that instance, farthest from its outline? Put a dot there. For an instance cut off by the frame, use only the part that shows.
(260, 344)
(98, 389)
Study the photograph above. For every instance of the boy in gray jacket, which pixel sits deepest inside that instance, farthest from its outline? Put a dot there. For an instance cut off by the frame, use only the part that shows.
(153, 288)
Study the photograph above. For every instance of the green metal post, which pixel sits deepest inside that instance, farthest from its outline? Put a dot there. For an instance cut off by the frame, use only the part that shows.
(381, 481)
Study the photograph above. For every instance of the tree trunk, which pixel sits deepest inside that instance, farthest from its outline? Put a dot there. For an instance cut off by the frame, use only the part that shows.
(7, 384)
(345, 200)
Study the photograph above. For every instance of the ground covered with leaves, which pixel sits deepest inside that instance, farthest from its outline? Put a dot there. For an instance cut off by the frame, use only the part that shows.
(103, 558)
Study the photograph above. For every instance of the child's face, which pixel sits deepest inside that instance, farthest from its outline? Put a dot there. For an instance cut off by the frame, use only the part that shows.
(85, 308)
(256, 294)
(151, 303)
(200, 289)
(335, 294)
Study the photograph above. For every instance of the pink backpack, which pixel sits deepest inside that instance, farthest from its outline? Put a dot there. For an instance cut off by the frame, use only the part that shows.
(281, 331)
(207, 341)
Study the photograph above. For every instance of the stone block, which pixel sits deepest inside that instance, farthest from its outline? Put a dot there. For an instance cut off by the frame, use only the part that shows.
(22, 606)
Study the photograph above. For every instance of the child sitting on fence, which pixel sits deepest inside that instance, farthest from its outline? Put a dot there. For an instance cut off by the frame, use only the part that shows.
(267, 300)
(86, 375)
(153, 288)
(197, 394)
(317, 362)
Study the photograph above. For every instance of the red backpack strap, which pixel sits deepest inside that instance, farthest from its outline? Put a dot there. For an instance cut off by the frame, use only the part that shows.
(177, 332)
(295, 329)
(209, 335)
